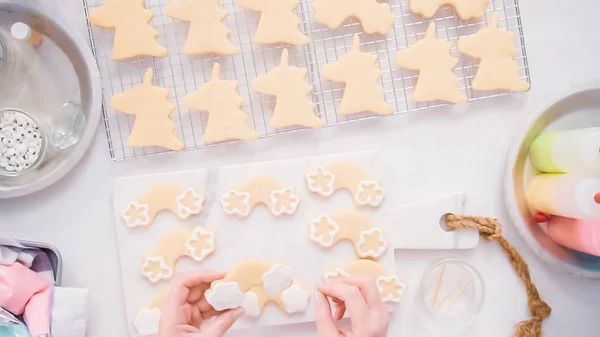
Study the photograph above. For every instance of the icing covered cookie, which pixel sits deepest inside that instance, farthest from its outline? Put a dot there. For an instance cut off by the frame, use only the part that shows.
(133, 34)
(466, 9)
(390, 287)
(359, 72)
(431, 57)
(146, 320)
(180, 200)
(151, 108)
(287, 83)
(495, 49)
(326, 180)
(260, 190)
(251, 284)
(207, 33)
(220, 98)
(160, 263)
(374, 17)
(328, 230)
(278, 23)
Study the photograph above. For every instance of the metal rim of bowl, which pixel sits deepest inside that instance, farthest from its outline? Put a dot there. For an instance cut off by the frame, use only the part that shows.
(517, 149)
(93, 113)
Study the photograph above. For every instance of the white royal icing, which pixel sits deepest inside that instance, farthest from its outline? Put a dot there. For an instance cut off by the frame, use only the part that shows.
(278, 278)
(275, 194)
(196, 235)
(336, 273)
(183, 211)
(389, 279)
(146, 321)
(251, 305)
(295, 299)
(138, 207)
(165, 271)
(319, 239)
(310, 181)
(363, 238)
(373, 202)
(225, 296)
(225, 203)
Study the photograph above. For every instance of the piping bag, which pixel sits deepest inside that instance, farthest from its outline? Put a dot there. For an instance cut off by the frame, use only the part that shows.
(10, 326)
(24, 292)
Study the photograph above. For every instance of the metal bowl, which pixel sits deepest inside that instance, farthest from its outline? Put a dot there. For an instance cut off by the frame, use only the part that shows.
(72, 50)
(575, 108)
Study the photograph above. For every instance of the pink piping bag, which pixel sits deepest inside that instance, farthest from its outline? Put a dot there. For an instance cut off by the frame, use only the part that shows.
(24, 292)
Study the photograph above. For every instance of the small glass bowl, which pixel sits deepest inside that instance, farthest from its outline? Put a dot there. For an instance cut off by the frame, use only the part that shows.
(44, 140)
(451, 292)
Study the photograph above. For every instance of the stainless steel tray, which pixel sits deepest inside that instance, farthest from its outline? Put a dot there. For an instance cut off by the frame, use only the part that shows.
(575, 108)
(53, 254)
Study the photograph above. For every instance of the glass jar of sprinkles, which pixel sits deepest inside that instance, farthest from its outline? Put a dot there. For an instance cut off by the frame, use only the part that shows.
(23, 142)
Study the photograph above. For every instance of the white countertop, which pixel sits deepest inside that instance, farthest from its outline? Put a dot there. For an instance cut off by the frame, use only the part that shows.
(435, 152)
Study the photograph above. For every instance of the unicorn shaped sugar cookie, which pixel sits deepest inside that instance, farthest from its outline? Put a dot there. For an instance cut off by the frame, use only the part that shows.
(287, 83)
(151, 108)
(225, 118)
(131, 21)
(207, 33)
(431, 57)
(466, 9)
(374, 17)
(496, 50)
(361, 75)
(278, 23)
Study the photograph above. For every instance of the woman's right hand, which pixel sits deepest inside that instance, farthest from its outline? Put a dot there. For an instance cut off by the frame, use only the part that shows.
(360, 297)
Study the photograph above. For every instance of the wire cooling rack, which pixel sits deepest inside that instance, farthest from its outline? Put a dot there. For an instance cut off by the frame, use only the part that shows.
(184, 74)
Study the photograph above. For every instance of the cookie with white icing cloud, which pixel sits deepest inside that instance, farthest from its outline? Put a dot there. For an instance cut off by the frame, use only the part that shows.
(253, 283)
(265, 190)
(326, 180)
(328, 230)
(183, 201)
(390, 287)
(159, 264)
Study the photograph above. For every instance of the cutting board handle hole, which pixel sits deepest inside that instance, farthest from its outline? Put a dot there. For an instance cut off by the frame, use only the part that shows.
(443, 224)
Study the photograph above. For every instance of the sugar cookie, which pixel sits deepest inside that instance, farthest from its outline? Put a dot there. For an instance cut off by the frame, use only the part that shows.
(373, 16)
(390, 287)
(328, 230)
(150, 105)
(278, 23)
(207, 33)
(260, 190)
(147, 319)
(182, 201)
(134, 36)
(327, 180)
(466, 9)
(253, 283)
(160, 263)
(431, 57)
(220, 98)
(359, 72)
(287, 84)
(495, 49)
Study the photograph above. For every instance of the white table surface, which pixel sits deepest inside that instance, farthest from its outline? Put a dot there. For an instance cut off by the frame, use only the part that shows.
(434, 153)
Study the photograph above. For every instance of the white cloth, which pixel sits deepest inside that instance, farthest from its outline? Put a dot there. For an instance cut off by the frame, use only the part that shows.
(69, 312)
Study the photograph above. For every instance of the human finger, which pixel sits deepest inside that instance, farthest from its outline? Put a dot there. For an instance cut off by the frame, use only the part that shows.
(350, 295)
(222, 323)
(326, 326)
(369, 290)
(339, 310)
(180, 290)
